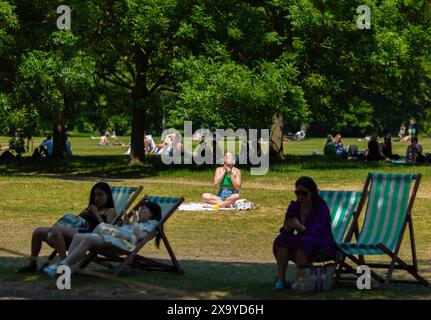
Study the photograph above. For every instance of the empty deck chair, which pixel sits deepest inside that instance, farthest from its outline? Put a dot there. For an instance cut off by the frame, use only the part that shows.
(388, 213)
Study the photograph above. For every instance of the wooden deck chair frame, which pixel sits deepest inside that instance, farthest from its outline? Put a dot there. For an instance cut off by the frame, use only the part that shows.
(136, 192)
(396, 261)
(133, 259)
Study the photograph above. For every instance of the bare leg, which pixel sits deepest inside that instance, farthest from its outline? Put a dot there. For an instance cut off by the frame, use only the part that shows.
(230, 200)
(89, 241)
(301, 259)
(76, 241)
(282, 262)
(211, 199)
(38, 236)
(59, 237)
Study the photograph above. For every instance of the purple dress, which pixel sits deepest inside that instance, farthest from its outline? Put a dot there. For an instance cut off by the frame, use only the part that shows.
(317, 234)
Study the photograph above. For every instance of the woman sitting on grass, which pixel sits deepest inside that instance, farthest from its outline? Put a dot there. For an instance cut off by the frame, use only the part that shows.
(414, 152)
(118, 238)
(306, 230)
(375, 149)
(228, 178)
(100, 209)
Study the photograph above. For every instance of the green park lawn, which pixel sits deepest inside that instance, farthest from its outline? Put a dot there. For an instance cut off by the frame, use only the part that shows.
(223, 254)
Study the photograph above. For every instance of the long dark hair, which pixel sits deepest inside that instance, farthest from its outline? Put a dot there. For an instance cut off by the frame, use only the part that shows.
(105, 188)
(311, 186)
(388, 143)
(157, 215)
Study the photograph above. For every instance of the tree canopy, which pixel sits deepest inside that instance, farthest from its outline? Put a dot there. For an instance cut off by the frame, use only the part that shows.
(227, 64)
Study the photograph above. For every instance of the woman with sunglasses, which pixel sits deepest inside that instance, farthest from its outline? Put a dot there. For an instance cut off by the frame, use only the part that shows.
(306, 229)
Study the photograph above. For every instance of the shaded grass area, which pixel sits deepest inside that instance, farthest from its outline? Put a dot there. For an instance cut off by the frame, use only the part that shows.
(227, 280)
(224, 254)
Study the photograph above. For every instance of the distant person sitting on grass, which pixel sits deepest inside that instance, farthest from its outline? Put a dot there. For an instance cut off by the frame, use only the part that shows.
(149, 144)
(339, 147)
(375, 149)
(300, 135)
(171, 146)
(414, 152)
(46, 148)
(329, 149)
(59, 236)
(387, 148)
(228, 178)
(68, 147)
(402, 132)
(413, 131)
(122, 238)
(103, 140)
(306, 230)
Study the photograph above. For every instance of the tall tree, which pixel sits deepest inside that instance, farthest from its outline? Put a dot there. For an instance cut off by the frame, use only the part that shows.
(54, 82)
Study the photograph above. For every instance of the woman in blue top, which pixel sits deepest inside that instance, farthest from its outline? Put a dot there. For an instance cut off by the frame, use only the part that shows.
(228, 178)
(306, 229)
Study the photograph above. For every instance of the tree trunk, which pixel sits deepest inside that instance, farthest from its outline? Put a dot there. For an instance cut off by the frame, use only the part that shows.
(59, 136)
(140, 92)
(276, 137)
(137, 153)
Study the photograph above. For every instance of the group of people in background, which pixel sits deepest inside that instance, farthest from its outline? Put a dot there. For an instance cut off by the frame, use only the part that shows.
(379, 150)
(412, 131)
(46, 148)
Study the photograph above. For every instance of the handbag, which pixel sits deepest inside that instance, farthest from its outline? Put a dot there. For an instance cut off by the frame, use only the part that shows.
(314, 278)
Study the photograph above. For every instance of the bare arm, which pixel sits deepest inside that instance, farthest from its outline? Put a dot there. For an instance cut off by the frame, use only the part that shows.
(219, 174)
(110, 216)
(236, 178)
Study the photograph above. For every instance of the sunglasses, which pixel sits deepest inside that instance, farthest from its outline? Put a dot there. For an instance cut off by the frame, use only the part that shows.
(302, 193)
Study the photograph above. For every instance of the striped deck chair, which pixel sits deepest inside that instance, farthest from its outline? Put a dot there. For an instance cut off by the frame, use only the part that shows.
(133, 259)
(341, 205)
(123, 199)
(388, 212)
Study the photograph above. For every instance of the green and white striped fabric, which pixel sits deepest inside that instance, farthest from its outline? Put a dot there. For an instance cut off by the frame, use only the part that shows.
(121, 196)
(386, 211)
(341, 205)
(165, 203)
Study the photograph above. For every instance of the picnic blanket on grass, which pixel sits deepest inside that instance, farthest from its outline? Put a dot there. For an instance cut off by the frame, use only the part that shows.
(240, 205)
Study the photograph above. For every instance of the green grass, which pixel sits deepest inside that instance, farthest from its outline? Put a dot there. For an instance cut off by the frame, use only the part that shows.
(225, 255)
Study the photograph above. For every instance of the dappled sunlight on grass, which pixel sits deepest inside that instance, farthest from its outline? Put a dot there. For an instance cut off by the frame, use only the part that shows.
(225, 255)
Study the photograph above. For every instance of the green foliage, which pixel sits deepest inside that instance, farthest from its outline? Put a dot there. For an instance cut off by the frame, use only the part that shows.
(224, 63)
(8, 23)
(361, 80)
(230, 95)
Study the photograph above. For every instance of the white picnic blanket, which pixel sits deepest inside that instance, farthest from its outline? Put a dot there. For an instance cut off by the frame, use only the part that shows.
(241, 204)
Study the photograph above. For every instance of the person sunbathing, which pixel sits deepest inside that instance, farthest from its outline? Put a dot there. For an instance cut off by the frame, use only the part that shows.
(103, 140)
(59, 236)
(121, 239)
(171, 146)
(228, 178)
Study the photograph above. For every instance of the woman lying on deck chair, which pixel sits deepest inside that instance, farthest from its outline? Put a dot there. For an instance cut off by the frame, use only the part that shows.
(117, 238)
(100, 209)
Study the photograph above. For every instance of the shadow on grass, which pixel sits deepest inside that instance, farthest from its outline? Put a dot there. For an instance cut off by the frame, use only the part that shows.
(118, 166)
(222, 280)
